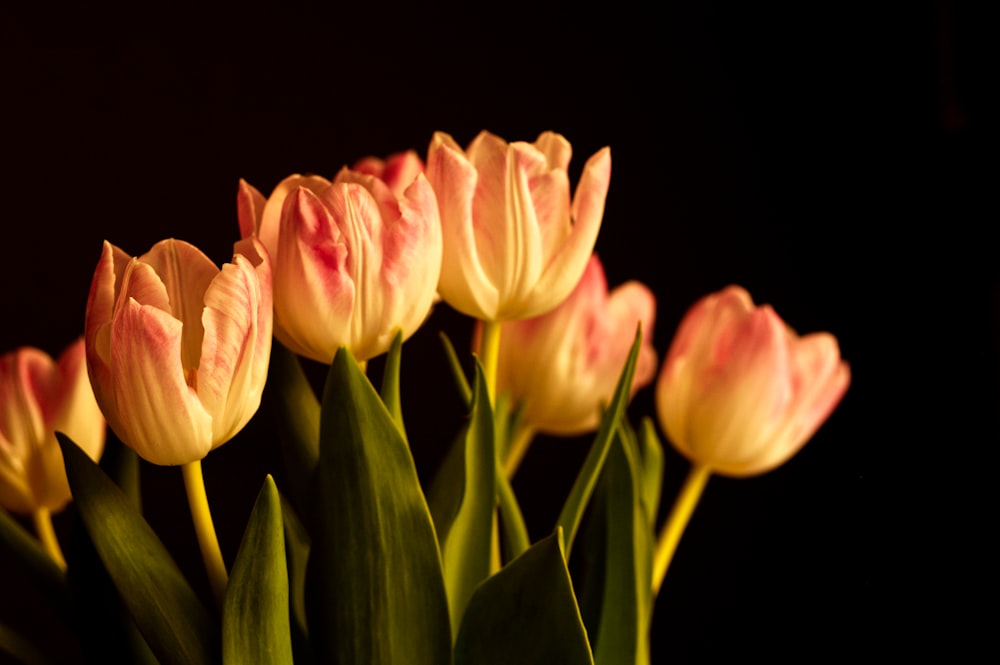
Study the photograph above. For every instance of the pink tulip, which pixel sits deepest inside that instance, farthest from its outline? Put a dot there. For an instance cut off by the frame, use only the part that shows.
(740, 392)
(353, 262)
(563, 365)
(398, 171)
(514, 243)
(177, 349)
(39, 397)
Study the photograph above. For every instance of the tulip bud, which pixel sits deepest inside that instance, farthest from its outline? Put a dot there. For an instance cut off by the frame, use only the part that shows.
(39, 397)
(398, 171)
(177, 349)
(514, 243)
(740, 392)
(353, 262)
(563, 365)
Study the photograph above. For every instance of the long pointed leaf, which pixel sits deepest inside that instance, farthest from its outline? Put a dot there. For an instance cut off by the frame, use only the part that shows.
(375, 591)
(525, 614)
(462, 383)
(622, 634)
(466, 549)
(255, 627)
(651, 469)
(390, 381)
(583, 486)
(515, 532)
(42, 570)
(168, 614)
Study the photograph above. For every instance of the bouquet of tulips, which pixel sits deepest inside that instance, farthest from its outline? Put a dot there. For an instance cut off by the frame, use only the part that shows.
(354, 559)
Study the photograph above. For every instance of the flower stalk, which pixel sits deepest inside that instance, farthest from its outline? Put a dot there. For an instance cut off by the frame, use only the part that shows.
(47, 535)
(204, 528)
(489, 350)
(674, 527)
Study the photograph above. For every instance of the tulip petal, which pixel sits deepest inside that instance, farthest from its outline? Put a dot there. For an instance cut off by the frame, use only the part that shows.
(565, 266)
(269, 225)
(311, 270)
(235, 349)
(26, 384)
(464, 282)
(161, 416)
(249, 208)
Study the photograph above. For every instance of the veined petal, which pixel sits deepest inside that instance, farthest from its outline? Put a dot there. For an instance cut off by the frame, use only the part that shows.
(311, 271)
(234, 352)
(161, 417)
(269, 226)
(185, 273)
(249, 208)
(464, 282)
(26, 384)
(567, 263)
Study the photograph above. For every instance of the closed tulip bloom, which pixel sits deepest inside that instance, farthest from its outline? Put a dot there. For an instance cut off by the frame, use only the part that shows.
(177, 349)
(740, 392)
(563, 365)
(38, 397)
(398, 170)
(515, 244)
(353, 262)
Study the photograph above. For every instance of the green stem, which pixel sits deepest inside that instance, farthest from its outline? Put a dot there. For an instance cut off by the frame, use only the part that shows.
(47, 535)
(489, 351)
(680, 514)
(211, 554)
(518, 447)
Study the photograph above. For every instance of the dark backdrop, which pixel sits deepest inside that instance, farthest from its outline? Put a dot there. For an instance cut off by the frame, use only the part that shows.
(826, 158)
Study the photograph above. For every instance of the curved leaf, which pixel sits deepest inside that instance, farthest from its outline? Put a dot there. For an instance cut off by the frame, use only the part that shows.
(390, 381)
(375, 591)
(170, 617)
(525, 614)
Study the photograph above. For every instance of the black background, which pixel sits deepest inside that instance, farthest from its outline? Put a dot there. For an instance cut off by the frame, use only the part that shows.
(831, 159)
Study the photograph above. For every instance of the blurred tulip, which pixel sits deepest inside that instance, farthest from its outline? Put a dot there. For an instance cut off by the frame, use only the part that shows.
(563, 365)
(514, 243)
(37, 398)
(398, 171)
(353, 262)
(740, 392)
(177, 349)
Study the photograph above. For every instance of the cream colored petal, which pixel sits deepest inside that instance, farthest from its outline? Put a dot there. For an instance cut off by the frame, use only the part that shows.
(160, 415)
(556, 148)
(269, 228)
(249, 208)
(464, 283)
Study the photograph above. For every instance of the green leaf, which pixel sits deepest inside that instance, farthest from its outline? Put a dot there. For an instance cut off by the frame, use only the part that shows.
(170, 617)
(297, 411)
(467, 538)
(390, 382)
(464, 390)
(255, 627)
(297, 546)
(651, 470)
(42, 571)
(525, 614)
(375, 591)
(583, 486)
(622, 636)
(106, 630)
(515, 533)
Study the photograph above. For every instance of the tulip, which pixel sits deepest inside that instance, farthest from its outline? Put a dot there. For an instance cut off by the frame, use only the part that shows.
(514, 243)
(39, 397)
(353, 262)
(398, 171)
(740, 392)
(177, 349)
(561, 366)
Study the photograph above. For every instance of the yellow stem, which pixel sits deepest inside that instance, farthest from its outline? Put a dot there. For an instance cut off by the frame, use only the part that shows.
(489, 351)
(518, 447)
(211, 554)
(47, 534)
(672, 531)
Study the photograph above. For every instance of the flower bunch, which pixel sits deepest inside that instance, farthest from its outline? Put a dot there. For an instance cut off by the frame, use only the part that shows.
(357, 561)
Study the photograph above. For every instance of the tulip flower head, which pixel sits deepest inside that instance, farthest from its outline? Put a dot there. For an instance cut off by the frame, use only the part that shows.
(38, 397)
(563, 365)
(353, 262)
(739, 391)
(177, 349)
(515, 245)
(398, 171)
